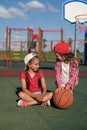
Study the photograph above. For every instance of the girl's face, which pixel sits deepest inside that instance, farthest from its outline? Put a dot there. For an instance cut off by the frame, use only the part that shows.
(34, 65)
(59, 57)
(62, 58)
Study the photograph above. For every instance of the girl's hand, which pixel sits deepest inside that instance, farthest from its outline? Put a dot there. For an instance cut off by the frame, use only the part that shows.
(70, 89)
(39, 97)
(58, 89)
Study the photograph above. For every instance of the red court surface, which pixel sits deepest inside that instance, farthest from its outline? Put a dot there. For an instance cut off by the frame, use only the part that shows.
(48, 73)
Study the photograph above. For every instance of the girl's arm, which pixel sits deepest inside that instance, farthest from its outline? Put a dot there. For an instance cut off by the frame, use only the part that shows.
(44, 87)
(58, 74)
(74, 74)
(73, 81)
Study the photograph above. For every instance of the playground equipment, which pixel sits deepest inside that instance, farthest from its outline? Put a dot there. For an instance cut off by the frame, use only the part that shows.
(16, 56)
(33, 35)
(8, 60)
(17, 46)
(17, 40)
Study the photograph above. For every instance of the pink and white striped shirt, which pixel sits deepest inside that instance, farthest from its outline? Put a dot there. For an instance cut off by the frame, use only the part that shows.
(73, 73)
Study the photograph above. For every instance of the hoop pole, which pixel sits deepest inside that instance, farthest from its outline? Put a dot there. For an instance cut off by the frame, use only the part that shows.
(75, 40)
(61, 35)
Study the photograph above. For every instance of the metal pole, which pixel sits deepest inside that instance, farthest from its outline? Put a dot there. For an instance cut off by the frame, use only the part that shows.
(40, 42)
(75, 40)
(61, 37)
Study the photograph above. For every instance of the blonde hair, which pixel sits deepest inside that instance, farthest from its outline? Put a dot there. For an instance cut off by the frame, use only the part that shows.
(27, 68)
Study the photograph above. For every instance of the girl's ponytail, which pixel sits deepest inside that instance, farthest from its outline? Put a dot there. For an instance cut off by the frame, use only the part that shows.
(27, 77)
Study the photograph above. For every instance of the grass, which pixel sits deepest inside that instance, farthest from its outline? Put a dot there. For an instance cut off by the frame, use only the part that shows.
(47, 56)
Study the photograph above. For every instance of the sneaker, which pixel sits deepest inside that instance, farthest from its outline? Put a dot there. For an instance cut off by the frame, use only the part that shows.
(47, 103)
(22, 103)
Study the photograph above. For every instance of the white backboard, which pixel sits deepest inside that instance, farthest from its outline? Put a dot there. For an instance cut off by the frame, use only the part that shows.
(73, 8)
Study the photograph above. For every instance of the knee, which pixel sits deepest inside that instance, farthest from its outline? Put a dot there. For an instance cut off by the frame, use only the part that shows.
(20, 94)
(50, 94)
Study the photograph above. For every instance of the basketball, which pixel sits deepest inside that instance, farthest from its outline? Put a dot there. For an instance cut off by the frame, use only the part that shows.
(63, 98)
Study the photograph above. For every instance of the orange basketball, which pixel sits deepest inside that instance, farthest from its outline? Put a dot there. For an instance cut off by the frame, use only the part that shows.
(63, 98)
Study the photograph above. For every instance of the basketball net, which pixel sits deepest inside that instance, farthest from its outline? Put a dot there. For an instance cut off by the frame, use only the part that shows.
(82, 18)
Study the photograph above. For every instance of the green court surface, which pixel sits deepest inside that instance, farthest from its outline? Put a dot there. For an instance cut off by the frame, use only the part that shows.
(18, 65)
(38, 117)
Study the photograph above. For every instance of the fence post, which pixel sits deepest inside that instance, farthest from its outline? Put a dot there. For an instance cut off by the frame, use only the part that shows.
(40, 42)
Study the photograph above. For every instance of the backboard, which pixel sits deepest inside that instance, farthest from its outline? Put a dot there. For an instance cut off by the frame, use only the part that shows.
(74, 8)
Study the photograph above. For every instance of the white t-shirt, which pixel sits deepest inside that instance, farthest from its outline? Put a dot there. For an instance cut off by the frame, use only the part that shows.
(65, 73)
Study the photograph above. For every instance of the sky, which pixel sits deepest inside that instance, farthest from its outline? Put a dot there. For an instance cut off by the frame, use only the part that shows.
(46, 14)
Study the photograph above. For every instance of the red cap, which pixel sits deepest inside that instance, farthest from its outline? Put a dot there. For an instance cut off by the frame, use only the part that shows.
(35, 36)
(62, 48)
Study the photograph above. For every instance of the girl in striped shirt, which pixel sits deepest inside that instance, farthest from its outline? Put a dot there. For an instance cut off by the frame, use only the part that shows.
(66, 67)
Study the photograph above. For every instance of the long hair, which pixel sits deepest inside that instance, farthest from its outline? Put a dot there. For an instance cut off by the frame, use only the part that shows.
(27, 75)
(68, 57)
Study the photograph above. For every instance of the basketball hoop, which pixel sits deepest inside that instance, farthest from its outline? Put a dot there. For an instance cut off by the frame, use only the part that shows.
(79, 19)
(78, 16)
(82, 18)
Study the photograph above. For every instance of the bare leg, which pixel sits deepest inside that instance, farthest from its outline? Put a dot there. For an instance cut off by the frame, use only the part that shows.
(26, 97)
(32, 101)
(48, 96)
